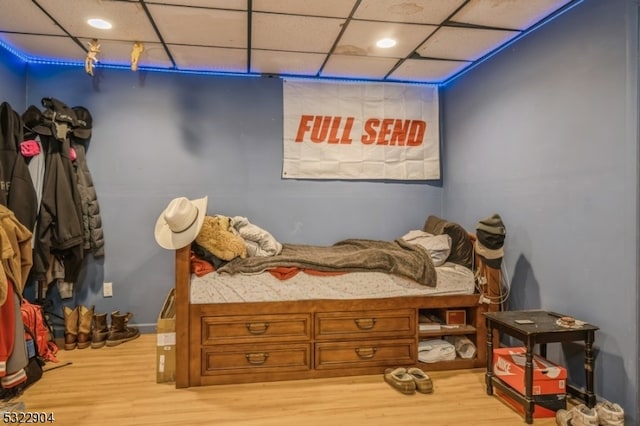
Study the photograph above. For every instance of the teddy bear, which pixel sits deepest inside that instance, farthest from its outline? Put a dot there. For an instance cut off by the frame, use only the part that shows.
(216, 237)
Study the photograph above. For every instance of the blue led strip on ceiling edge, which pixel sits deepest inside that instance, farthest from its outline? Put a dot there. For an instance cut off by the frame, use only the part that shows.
(494, 52)
(30, 60)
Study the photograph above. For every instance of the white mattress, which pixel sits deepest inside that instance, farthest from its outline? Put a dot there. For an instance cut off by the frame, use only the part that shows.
(223, 288)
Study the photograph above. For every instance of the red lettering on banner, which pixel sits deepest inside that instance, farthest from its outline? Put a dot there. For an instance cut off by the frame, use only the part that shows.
(320, 128)
(416, 132)
(394, 132)
(344, 137)
(303, 127)
(385, 131)
(400, 130)
(370, 132)
(325, 129)
(337, 130)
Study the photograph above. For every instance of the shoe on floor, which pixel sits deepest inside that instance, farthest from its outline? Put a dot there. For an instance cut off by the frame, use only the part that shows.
(610, 414)
(422, 380)
(580, 415)
(400, 380)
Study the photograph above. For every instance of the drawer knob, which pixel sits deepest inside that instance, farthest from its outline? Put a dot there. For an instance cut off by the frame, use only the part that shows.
(366, 353)
(365, 323)
(257, 358)
(257, 328)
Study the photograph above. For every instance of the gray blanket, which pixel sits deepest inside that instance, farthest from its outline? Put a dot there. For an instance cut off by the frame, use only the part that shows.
(353, 255)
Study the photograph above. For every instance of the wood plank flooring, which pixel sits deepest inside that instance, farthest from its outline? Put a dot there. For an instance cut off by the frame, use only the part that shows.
(117, 386)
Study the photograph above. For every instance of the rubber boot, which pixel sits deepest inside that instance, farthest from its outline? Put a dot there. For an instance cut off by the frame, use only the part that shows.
(120, 332)
(100, 331)
(70, 327)
(85, 316)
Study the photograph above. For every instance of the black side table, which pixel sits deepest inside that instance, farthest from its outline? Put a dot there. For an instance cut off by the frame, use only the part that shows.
(537, 327)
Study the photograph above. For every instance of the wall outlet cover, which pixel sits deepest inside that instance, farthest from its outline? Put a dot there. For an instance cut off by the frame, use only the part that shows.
(107, 289)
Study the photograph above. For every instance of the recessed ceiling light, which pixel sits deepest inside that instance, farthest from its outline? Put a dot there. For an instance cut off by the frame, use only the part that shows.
(99, 23)
(386, 43)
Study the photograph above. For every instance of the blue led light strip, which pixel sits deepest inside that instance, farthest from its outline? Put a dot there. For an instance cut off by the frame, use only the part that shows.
(532, 28)
(30, 60)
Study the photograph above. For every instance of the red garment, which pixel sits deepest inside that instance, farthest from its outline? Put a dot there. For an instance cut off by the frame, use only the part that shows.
(7, 329)
(200, 267)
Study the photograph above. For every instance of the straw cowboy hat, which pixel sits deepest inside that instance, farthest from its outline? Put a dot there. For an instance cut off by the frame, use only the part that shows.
(180, 223)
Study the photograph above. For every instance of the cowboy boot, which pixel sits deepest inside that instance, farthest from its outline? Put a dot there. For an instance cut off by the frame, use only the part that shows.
(100, 331)
(85, 316)
(70, 327)
(120, 332)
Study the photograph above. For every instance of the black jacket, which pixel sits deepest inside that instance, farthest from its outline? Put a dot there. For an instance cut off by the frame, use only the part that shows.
(16, 187)
(91, 219)
(59, 231)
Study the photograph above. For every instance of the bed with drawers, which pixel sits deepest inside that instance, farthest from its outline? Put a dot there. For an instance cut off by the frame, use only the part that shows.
(257, 326)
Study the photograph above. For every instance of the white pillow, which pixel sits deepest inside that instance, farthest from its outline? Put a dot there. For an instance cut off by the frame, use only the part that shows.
(438, 246)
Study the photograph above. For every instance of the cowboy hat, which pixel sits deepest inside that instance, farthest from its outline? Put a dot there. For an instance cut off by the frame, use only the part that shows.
(180, 223)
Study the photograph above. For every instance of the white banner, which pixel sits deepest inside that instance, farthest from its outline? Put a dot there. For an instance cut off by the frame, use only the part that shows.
(351, 130)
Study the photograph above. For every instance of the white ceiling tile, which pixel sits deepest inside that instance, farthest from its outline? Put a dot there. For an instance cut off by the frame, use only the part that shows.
(290, 63)
(511, 14)
(417, 11)
(360, 38)
(427, 70)
(119, 53)
(129, 20)
(365, 67)
(198, 58)
(289, 37)
(328, 8)
(46, 47)
(294, 33)
(463, 43)
(25, 16)
(204, 27)
(213, 4)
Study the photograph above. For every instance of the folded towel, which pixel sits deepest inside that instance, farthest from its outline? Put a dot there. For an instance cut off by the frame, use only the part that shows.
(436, 350)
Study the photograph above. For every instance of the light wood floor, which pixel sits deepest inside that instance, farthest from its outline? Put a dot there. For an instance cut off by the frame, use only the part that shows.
(117, 386)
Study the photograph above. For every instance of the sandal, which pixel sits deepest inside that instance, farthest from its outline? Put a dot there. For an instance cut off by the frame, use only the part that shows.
(400, 380)
(422, 380)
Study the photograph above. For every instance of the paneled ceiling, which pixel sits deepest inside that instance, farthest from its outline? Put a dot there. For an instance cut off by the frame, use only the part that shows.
(436, 40)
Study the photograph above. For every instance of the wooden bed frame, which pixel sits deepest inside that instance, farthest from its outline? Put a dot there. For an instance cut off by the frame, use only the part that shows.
(270, 341)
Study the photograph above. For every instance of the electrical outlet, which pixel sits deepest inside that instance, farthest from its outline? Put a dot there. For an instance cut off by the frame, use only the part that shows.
(107, 289)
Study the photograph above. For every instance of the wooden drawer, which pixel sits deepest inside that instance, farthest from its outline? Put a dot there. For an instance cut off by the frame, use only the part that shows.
(256, 328)
(365, 324)
(259, 358)
(365, 353)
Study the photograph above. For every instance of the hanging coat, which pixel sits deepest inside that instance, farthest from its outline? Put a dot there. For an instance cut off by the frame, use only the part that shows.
(59, 230)
(16, 187)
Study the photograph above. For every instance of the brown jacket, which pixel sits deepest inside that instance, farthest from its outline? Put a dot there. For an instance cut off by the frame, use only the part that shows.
(16, 256)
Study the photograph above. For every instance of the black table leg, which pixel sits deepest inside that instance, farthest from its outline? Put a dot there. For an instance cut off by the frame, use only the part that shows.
(589, 364)
(528, 383)
(489, 375)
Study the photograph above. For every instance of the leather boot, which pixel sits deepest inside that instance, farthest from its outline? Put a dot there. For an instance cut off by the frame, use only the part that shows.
(85, 316)
(120, 332)
(70, 327)
(100, 331)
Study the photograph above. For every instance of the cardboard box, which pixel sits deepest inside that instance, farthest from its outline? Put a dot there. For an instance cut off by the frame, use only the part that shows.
(166, 340)
(545, 405)
(548, 378)
(454, 316)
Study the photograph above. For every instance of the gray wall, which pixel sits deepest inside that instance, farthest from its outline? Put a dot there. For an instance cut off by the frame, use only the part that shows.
(13, 80)
(159, 135)
(546, 134)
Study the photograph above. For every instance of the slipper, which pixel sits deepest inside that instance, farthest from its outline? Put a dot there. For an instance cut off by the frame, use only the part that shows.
(422, 380)
(400, 380)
